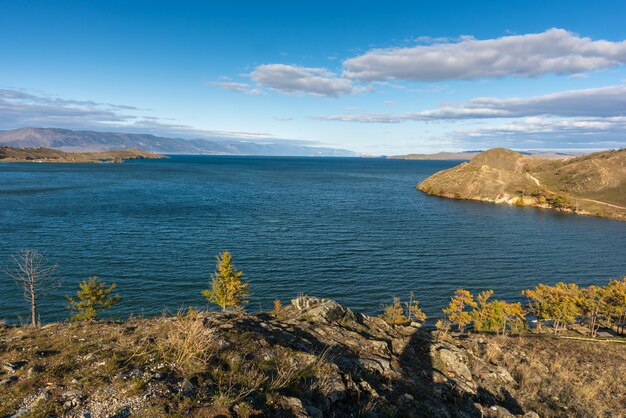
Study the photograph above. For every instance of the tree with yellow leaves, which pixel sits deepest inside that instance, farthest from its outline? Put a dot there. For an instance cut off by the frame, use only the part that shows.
(497, 315)
(559, 303)
(593, 306)
(457, 311)
(615, 299)
(413, 310)
(228, 288)
(539, 303)
(394, 314)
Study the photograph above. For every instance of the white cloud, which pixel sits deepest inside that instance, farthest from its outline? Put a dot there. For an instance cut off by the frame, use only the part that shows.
(553, 51)
(607, 132)
(19, 109)
(235, 86)
(598, 102)
(292, 79)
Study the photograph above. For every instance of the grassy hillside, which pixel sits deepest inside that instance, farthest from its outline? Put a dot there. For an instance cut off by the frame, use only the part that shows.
(12, 154)
(593, 184)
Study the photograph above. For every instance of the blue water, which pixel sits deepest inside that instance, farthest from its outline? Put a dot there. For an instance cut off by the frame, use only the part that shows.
(351, 229)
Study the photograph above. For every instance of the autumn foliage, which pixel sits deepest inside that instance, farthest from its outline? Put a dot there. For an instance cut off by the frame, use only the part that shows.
(560, 305)
(398, 313)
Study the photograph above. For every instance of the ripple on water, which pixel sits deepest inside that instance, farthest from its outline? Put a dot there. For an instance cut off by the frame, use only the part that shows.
(351, 229)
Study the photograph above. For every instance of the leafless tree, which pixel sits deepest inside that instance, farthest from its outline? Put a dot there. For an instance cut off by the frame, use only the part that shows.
(35, 275)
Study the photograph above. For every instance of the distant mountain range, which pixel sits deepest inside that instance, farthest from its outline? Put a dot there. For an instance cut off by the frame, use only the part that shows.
(82, 141)
(468, 155)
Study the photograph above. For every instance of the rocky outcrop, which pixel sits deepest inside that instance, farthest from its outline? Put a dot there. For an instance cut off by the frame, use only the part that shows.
(313, 358)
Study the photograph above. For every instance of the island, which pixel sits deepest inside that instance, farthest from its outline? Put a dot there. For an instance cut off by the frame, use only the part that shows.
(592, 184)
(50, 155)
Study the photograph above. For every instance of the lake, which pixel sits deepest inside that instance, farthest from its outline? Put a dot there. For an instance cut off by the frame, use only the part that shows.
(352, 229)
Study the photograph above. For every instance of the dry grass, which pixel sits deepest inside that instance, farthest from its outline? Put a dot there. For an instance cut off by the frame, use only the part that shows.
(557, 377)
(185, 343)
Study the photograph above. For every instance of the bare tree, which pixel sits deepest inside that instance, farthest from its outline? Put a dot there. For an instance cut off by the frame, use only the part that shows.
(35, 275)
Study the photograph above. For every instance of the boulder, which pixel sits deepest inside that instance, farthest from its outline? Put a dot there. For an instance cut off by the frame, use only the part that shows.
(321, 310)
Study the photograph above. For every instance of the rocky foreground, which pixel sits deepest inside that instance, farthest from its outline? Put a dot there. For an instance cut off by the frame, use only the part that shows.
(313, 358)
(50, 155)
(593, 184)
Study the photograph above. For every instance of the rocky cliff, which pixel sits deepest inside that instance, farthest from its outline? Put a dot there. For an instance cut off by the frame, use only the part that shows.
(593, 184)
(314, 358)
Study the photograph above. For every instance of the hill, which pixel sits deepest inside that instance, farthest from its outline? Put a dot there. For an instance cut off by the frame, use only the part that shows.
(468, 155)
(593, 184)
(83, 141)
(314, 358)
(11, 154)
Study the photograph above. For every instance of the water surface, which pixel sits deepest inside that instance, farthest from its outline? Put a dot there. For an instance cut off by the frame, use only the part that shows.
(346, 228)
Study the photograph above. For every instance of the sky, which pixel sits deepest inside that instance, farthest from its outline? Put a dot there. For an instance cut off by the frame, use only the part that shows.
(376, 77)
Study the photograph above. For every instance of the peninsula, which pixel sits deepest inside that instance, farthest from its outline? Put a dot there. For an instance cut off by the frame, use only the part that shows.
(593, 184)
(49, 155)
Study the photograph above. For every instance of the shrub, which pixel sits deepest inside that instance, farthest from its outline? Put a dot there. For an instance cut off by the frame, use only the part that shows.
(395, 313)
(93, 296)
(278, 306)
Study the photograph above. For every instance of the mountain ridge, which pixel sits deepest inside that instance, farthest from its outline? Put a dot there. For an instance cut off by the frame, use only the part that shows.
(468, 155)
(88, 141)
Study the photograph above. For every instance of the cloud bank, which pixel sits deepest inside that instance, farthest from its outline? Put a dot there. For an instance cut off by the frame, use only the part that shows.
(555, 51)
(599, 102)
(569, 133)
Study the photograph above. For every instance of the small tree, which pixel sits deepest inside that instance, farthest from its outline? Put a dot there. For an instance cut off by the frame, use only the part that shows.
(413, 310)
(564, 304)
(228, 288)
(93, 296)
(593, 307)
(559, 303)
(35, 275)
(615, 299)
(457, 309)
(539, 303)
(394, 314)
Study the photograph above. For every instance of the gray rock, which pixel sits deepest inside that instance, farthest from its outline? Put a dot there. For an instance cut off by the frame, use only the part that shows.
(36, 369)
(531, 414)
(455, 362)
(187, 388)
(314, 412)
(8, 381)
(322, 310)
(72, 398)
(336, 389)
(12, 367)
(498, 412)
(295, 406)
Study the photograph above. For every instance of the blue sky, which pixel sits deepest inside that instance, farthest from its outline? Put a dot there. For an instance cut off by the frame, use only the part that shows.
(374, 77)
